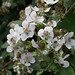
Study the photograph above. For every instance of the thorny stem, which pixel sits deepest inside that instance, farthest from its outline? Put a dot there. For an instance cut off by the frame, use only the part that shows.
(6, 65)
(66, 13)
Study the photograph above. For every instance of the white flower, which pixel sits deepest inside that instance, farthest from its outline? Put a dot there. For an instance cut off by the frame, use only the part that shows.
(27, 59)
(51, 1)
(13, 37)
(51, 23)
(61, 60)
(7, 4)
(69, 42)
(18, 29)
(17, 53)
(29, 9)
(34, 44)
(9, 49)
(33, 17)
(46, 34)
(57, 43)
(28, 30)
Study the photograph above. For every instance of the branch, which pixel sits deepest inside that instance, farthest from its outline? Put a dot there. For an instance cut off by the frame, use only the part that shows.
(6, 65)
(66, 13)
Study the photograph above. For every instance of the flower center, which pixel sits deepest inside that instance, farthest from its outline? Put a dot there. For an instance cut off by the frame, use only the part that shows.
(26, 30)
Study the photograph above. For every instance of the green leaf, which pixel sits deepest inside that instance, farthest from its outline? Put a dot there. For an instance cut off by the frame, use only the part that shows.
(4, 54)
(36, 65)
(73, 52)
(9, 73)
(0, 44)
(10, 66)
(68, 22)
(72, 61)
(66, 71)
(68, 3)
(5, 45)
(34, 53)
(39, 72)
(1, 65)
(11, 55)
(15, 22)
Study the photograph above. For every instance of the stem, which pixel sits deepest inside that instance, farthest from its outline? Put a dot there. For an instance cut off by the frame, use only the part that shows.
(26, 73)
(66, 13)
(6, 64)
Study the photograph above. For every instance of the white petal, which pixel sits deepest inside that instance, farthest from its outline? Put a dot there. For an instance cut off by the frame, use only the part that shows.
(18, 29)
(70, 34)
(24, 37)
(33, 15)
(11, 31)
(49, 29)
(66, 56)
(29, 19)
(32, 60)
(9, 36)
(40, 19)
(47, 10)
(57, 47)
(25, 24)
(45, 52)
(61, 53)
(66, 64)
(9, 49)
(68, 45)
(51, 1)
(72, 42)
(40, 33)
(29, 54)
(32, 26)
(34, 44)
(30, 34)
(54, 23)
(35, 8)
(28, 10)
(27, 64)
(61, 41)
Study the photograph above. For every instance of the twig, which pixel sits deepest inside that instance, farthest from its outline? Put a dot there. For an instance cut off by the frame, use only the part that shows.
(6, 65)
(66, 13)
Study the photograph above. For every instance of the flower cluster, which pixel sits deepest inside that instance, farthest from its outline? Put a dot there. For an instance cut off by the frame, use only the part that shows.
(37, 37)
